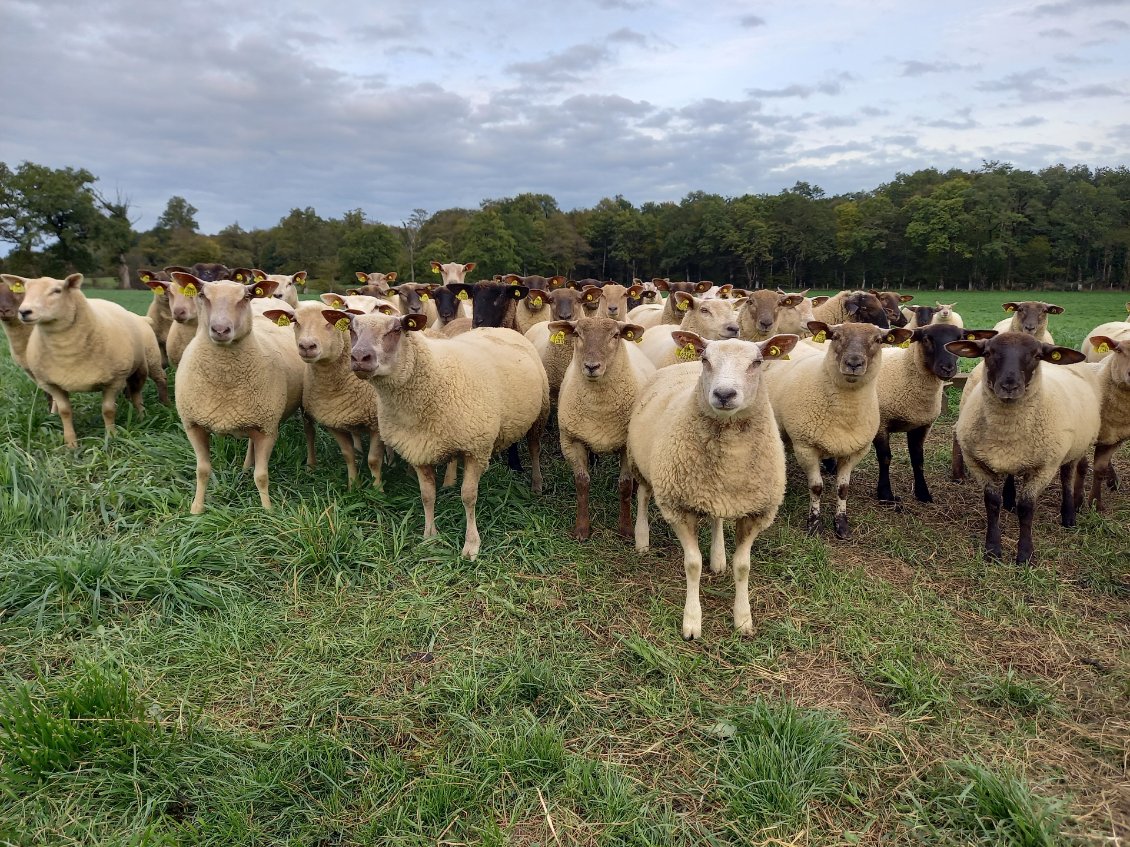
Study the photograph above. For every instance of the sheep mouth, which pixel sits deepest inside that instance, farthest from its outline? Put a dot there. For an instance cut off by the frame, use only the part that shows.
(29, 319)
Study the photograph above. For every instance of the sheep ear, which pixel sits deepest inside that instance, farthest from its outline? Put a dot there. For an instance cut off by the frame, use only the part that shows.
(790, 300)
(512, 279)
(821, 332)
(282, 317)
(146, 275)
(899, 337)
(189, 284)
(436, 266)
(703, 287)
(1062, 355)
(983, 334)
(362, 277)
(261, 289)
(390, 276)
(556, 281)
(74, 281)
(170, 268)
(414, 323)
(689, 344)
(535, 302)
(1008, 307)
(518, 291)
(820, 300)
(967, 348)
(1053, 309)
(467, 268)
(905, 298)
(635, 291)
(338, 319)
(851, 306)
(461, 289)
(159, 288)
(724, 290)
(632, 332)
(683, 301)
(590, 294)
(334, 301)
(778, 346)
(1103, 343)
(300, 278)
(17, 284)
(665, 285)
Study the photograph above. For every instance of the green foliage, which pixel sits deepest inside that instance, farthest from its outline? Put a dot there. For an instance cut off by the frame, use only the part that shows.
(372, 247)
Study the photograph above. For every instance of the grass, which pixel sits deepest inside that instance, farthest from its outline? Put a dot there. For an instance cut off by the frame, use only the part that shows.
(321, 675)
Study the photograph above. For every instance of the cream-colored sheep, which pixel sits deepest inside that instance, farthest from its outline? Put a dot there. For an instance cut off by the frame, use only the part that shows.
(86, 345)
(712, 319)
(452, 272)
(1029, 317)
(828, 406)
(911, 385)
(238, 376)
(852, 306)
(761, 312)
(946, 315)
(666, 313)
(613, 301)
(158, 314)
(553, 350)
(595, 403)
(17, 333)
(362, 303)
(440, 399)
(331, 393)
(1028, 420)
(794, 321)
(374, 284)
(1119, 330)
(702, 440)
(288, 285)
(1113, 374)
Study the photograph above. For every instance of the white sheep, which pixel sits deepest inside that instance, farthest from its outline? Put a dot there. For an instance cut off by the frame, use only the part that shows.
(595, 403)
(1119, 330)
(1113, 373)
(946, 315)
(828, 406)
(1030, 317)
(158, 314)
(613, 300)
(1029, 421)
(794, 321)
(331, 393)
(288, 285)
(703, 442)
(374, 284)
(452, 273)
(440, 399)
(712, 319)
(86, 345)
(238, 376)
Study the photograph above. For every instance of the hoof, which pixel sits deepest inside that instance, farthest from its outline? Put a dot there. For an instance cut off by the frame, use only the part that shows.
(579, 534)
(925, 497)
(843, 532)
(813, 526)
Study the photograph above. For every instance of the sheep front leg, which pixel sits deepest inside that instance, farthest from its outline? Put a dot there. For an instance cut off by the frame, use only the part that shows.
(957, 463)
(308, 431)
(643, 527)
(62, 402)
(533, 442)
(376, 455)
(915, 445)
(717, 546)
(745, 532)
(624, 484)
(576, 452)
(110, 407)
(882, 443)
(345, 443)
(264, 444)
(1025, 508)
(199, 438)
(992, 523)
(472, 470)
(1103, 455)
(809, 461)
(426, 475)
(1067, 494)
(843, 485)
(685, 525)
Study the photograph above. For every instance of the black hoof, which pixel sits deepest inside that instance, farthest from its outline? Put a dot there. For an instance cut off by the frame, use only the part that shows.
(813, 524)
(843, 532)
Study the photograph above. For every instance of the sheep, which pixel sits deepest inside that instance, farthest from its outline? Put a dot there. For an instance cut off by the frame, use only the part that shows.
(288, 285)
(1027, 421)
(911, 385)
(1031, 317)
(649, 293)
(468, 396)
(373, 284)
(712, 319)
(331, 394)
(493, 304)
(11, 295)
(565, 305)
(946, 315)
(891, 302)
(1113, 374)
(703, 442)
(794, 321)
(828, 406)
(238, 376)
(857, 306)
(1119, 330)
(362, 303)
(449, 307)
(598, 392)
(86, 345)
(546, 283)
(452, 273)
(206, 271)
(653, 315)
(158, 314)
(613, 301)
(416, 299)
(760, 313)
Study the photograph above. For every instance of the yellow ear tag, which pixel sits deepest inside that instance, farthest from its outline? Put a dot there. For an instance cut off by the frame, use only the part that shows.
(435, 270)
(342, 324)
(239, 277)
(774, 350)
(338, 303)
(820, 337)
(1103, 348)
(462, 295)
(1056, 356)
(424, 297)
(537, 302)
(905, 344)
(300, 280)
(157, 292)
(687, 353)
(1010, 308)
(971, 337)
(558, 337)
(260, 277)
(189, 290)
(16, 287)
(146, 277)
(283, 320)
(258, 292)
(682, 306)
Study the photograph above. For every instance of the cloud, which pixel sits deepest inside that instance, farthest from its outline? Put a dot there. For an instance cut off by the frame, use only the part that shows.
(1054, 32)
(1039, 85)
(831, 86)
(1070, 7)
(751, 21)
(1113, 24)
(626, 5)
(964, 120)
(624, 35)
(914, 67)
(1031, 120)
(569, 65)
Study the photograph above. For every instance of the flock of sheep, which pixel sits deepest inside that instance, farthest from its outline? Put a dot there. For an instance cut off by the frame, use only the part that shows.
(697, 392)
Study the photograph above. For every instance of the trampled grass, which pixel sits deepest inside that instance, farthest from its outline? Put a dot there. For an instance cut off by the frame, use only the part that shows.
(321, 675)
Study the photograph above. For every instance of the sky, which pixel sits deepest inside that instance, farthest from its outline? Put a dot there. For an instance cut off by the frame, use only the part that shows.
(251, 109)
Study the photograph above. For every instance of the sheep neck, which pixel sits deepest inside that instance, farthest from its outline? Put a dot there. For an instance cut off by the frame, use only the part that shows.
(77, 331)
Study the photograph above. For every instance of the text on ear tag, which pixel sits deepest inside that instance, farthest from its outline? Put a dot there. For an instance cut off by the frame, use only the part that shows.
(558, 337)
(283, 320)
(342, 324)
(682, 305)
(820, 337)
(774, 350)
(189, 290)
(1102, 348)
(687, 353)
(462, 295)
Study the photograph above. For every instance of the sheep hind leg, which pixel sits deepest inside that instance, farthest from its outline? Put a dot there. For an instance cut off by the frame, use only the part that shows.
(624, 486)
(882, 444)
(915, 445)
(809, 461)
(450, 472)
(513, 460)
(717, 546)
(264, 444)
(376, 456)
(1103, 467)
(345, 443)
(134, 383)
(685, 525)
(472, 470)
(308, 431)
(533, 443)
(643, 526)
(110, 408)
(200, 439)
(957, 463)
(426, 475)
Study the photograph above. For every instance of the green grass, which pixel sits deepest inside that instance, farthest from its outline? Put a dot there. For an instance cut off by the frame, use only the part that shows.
(321, 675)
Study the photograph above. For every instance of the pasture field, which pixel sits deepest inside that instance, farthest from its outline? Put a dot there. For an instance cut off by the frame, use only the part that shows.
(318, 675)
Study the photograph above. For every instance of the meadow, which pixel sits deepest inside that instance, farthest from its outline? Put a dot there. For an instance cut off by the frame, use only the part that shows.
(320, 675)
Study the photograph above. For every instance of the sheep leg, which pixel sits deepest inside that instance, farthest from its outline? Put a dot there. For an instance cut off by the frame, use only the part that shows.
(882, 445)
(449, 473)
(66, 415)
(263, 443)
(426, 475)
(957, 463)
(1025, 508)
(472, 470)
(1066, 494)
(162, 383)
(643, 527)
(992, 523)
(915, 445)
(1112, 481)
(1103, 455)
(200, 440)
(533, 443)
(1008, 494)
(809, 461)
(576, 452)
(249, 456)
(110, 407)
(744, 533)
(685, 525)
(376, 455)
(134, 383)
(717, 547)
(308, 431)
(843, 485)
(513, 460)
(345, 443)
(357, 442)
(624, 484)
(1080, 482)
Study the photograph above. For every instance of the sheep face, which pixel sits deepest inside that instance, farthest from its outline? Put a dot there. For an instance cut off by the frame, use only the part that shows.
(210, 271)
(46, 299)
(412, 296)
(891, 302)
(687, 287)
(1119, 358)
(709, 317)
(377, 281)
(447, 303)
(288, 285)
(1032, 315)
(731, 370)
(855, 346)
(225, 306)
(596, 342)
(762, 308)
(864, 307)
(535, 281)
(564, 303)
(452, 272)
(11, 296)
(317, 339)
(614, 299)
(377, 341)
(1012, 359)
(932, 340)
(490, 302)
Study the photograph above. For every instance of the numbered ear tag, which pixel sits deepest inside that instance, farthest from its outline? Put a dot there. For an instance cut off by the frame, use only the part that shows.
(462, 295)
(338, 303)
(189, 290)
(558, 337)
(687, 353)
(682, 306)
(145, 277)
(157, 292)
(1056, 356)
(342, 324)
(259, 277)
(238, 277)
(536, 302)
(820, 337)
(283, 320)
(774, 351)
(424, 297)
(905, 344)
(16, 287)
(435, 270)
(1102, 348)
(971, 337)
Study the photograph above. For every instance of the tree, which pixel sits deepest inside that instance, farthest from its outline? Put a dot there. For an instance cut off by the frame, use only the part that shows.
(179, 214)
(373, 247)
(490, 245)
(410, 233)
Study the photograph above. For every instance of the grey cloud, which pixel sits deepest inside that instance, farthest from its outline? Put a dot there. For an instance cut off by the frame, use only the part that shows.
(396, 28)
(1068, 7)
(1113, 23)
(712, 112)
(624, 35)
(831, 86)
(1031, 120)
(1054, 32)
(626, 5)
(1072, 59)
(914, 67)
(1039, 85)
(569, 65)
(874, 111)
(751, 21)
(964, 120)
(837, 121)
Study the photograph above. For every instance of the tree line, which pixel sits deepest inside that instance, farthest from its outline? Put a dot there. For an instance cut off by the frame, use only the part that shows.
(995, 227)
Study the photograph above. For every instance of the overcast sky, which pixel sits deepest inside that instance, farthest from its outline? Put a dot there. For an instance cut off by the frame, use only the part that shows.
(249, 109)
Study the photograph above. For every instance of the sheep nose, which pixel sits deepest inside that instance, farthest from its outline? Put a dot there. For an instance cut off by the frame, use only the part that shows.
(765, 326)
(307, 348)
(591, 368)
(855, 362)
(221, 332)
(362, 360)
(731, 330)
(612, 310)
(724, 396)
(25, 314)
